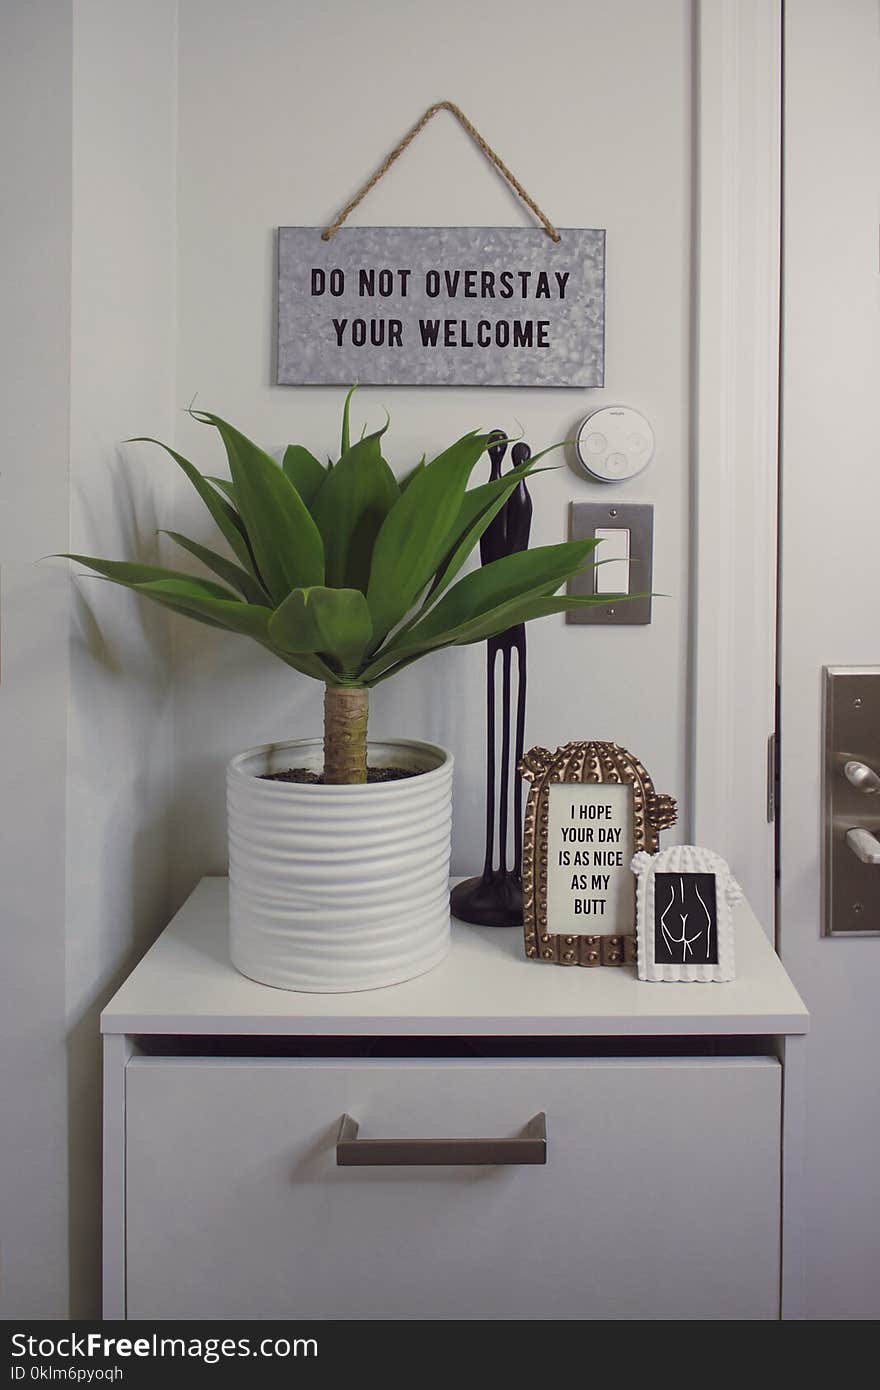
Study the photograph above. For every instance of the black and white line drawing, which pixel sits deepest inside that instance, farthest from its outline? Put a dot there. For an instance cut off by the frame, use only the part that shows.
(685, 926)
(684, 918)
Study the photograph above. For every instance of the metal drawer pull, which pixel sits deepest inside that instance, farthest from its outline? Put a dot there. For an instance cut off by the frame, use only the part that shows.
(351, 1152)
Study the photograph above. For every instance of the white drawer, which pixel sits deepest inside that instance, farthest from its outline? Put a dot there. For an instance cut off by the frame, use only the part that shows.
(659, 1199)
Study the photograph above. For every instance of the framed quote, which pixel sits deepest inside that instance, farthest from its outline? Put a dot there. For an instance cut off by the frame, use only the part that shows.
(684, 901)
(591, 807)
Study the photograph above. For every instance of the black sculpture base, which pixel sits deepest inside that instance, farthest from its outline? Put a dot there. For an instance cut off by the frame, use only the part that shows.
(493, 900)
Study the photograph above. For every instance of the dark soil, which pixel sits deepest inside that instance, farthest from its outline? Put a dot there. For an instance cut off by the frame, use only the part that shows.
(374, 774)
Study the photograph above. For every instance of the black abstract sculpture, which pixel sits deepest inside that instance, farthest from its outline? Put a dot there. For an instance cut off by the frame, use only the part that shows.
(494, 897)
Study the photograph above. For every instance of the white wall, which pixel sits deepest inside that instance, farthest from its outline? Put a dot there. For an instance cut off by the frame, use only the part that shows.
(830, 572)
(87, 147)
(122, 383)
(283, 111)
(35, 101)
(140, 231)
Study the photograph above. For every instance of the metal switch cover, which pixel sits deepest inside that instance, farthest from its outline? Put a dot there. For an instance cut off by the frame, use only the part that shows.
(628, 531)
(851, 801)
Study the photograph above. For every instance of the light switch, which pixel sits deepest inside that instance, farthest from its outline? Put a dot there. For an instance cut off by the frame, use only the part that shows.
(626, 533)
(612, 556)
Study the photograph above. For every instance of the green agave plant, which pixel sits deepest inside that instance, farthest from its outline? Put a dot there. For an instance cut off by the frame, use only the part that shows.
(346, 574)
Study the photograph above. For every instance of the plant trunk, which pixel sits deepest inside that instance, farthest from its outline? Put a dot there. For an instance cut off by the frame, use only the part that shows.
(346, 709)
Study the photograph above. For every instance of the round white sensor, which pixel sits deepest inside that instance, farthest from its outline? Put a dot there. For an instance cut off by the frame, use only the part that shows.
(614, 443)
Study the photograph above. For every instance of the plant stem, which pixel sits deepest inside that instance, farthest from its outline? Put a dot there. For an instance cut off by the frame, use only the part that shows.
(346, 709)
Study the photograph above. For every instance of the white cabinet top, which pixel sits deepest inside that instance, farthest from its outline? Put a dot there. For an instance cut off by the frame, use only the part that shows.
(186, 984)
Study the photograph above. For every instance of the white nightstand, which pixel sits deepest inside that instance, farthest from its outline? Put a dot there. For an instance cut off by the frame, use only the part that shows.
(673, 1114)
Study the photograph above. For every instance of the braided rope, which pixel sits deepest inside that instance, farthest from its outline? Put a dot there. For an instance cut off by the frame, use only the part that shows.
(411, 134)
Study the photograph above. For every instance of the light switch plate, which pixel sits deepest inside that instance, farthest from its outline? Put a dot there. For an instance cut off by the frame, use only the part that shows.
(852, 735)
(585, 519)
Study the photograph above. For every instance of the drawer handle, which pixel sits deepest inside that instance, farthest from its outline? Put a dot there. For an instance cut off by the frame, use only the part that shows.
(351, 1152)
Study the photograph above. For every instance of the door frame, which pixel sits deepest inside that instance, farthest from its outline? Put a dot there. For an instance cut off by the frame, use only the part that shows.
(736, 332)
(735, 433)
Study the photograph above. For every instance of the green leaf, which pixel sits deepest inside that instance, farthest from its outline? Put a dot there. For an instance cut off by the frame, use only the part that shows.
(225, 485)
(178, 608)
(253, 625)
(305, 471)
(346, 416)
(413, 473)
(522, 610)
(286, 542)
(479, 508)
(307, 665)
(413, 537)
(228, 520)
(525, 573)
(197, 598)
(247, 586)
(333, 621)
(246, 619)
(134, 575)
(525, 610)
(350, 510)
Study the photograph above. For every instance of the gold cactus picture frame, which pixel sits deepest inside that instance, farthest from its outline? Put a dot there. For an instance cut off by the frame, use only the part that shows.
(618, 814)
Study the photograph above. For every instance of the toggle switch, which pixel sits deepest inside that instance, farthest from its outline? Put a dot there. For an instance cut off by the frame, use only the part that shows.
(612, 569)
(623, 561)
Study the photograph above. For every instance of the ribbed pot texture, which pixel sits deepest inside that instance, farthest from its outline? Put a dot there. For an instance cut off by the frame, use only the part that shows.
(336, 888)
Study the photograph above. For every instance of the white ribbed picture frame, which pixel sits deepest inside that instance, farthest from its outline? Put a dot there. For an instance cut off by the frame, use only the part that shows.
(694, 924)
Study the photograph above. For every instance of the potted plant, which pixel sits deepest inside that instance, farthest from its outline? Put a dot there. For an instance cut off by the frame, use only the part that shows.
(339, 849)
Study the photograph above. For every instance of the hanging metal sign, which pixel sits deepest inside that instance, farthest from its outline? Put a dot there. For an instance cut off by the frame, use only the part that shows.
(441, 306)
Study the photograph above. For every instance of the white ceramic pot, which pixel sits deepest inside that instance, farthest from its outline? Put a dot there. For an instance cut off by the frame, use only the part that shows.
(333, 889)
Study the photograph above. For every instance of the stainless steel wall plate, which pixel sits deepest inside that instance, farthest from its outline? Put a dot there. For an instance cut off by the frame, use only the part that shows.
(851, 801)
(626, 530)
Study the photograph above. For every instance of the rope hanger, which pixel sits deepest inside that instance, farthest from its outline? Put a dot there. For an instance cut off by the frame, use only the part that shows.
(478, 140)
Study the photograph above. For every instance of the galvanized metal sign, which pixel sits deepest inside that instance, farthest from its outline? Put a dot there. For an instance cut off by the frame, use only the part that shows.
(441, 306)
